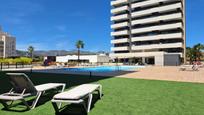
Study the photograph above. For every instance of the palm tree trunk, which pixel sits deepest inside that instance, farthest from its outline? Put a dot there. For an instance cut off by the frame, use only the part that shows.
(199, 56)
(78, 55)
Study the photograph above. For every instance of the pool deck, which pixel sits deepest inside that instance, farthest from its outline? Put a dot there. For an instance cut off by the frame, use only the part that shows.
(150, 73)
(167, 74)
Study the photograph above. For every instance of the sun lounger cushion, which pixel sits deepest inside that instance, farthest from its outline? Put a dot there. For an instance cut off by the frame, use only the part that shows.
(77, 92)
(48, 86)
(10, 98)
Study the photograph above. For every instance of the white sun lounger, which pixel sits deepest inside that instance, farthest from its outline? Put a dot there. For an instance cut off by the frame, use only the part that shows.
(23, 87)
(189, 67)
(77, 96)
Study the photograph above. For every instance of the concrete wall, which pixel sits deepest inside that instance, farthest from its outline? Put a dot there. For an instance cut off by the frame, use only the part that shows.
(62, 59)
(159, 60)
(91, 58)
(104, 59)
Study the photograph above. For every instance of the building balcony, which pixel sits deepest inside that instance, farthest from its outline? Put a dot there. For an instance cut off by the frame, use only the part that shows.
(120, 25)
(120, 9)
(135, 54)
(157, 46)
(119, 17)
(157, 9)
(116, 41)
(125, 48)
(157, 19)
(119, 33)
(147, 3)
(155, 28)
(157, 37)
(118, 2)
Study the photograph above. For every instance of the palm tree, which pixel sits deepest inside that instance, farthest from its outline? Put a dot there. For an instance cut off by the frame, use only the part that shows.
(194, 53)
(198, 51)
(30, 51)
(79, 45)
(190, 52)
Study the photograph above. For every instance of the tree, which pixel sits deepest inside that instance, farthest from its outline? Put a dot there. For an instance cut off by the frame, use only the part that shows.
(190, 54)
(79, 45)
(194, 53)
(198, 51)
(30, 51)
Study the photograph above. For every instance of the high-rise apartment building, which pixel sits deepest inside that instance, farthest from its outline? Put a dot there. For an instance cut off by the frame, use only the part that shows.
(7, 45)
(150, 30)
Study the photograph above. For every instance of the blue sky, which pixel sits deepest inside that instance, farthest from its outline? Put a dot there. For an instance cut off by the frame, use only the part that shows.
(58, 24)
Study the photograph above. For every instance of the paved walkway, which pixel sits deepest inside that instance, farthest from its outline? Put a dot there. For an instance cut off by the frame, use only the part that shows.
(167, 74)
(151, 73)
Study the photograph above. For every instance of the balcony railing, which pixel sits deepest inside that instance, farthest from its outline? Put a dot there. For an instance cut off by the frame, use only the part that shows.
(157, 19)
(118, 2)
(125, 48)
(119, 17)
(147, 3)
(120, 25)
(157, 46)
(159, 27)
(120, 9)
(157, 9)
(119, 33)
(116, 41)
(157, 37)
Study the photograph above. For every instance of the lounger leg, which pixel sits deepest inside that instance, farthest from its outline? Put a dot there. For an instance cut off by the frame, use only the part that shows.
(85, 106)
(100, 91)
(4, 104)
(26, 104)
(55, 107)
(89, 102)
(36, 100)
(43, 92)
(10, 103)
(63, 87)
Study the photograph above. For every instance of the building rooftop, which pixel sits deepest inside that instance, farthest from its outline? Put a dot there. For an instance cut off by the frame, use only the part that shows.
(4, 33)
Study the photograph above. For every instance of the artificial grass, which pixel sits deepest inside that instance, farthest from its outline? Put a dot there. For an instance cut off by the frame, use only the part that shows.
(123, 96)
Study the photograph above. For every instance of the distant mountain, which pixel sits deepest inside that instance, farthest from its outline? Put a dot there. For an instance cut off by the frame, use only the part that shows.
(21, 53)
(55, 53)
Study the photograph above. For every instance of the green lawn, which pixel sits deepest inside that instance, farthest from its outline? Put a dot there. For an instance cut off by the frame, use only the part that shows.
(121, 96)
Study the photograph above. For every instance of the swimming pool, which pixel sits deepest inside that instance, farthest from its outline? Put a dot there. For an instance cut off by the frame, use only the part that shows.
(105, 68)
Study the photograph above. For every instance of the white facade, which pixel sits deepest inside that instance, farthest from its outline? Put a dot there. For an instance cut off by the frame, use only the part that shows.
(89, 58)
(144, 28)
(7, 45)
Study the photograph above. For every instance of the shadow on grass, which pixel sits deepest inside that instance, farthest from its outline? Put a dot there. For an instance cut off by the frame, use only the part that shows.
(41, 78)
(77, 109)
(20, 107)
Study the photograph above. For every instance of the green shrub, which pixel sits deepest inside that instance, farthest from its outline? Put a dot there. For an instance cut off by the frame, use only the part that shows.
(24, 60)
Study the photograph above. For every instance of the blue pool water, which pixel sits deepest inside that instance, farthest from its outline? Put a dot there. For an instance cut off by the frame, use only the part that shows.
(105, 68)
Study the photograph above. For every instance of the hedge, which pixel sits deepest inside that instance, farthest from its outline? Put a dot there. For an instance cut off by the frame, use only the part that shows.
(24, 60)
